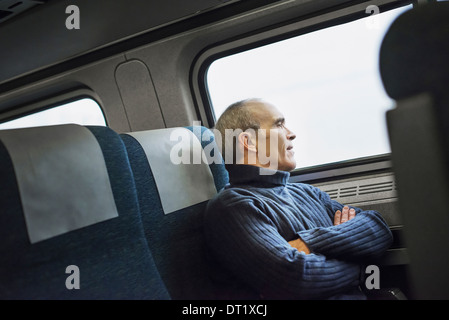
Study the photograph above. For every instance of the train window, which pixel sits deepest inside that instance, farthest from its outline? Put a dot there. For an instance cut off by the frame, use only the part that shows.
(84, 111)
(326, 83)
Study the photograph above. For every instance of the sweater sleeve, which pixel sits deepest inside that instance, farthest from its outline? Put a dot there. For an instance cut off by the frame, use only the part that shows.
(367, 236)
(245, 241)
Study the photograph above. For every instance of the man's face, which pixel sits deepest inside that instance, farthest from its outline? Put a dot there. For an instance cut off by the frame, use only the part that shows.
(274, 124)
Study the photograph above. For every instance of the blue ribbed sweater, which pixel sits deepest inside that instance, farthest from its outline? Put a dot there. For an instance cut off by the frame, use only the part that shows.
(249, 223)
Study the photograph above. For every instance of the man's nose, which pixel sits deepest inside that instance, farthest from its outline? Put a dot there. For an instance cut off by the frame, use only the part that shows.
(290, 134)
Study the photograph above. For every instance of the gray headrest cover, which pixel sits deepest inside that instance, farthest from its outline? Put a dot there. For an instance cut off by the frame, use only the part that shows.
(62, 179)
(180, 183)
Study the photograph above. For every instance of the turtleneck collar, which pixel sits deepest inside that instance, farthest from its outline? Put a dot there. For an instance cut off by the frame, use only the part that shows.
(244, 174)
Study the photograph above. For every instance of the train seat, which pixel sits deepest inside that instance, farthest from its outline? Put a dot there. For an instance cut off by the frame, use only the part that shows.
(70, 221)
(174, 185)
(414, 67)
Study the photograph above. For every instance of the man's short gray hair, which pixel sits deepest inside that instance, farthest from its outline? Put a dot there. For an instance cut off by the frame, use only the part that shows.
(236, 117)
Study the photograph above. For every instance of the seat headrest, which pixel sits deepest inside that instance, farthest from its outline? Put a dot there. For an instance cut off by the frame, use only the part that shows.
(414, 55)
(62, 178)
(179, 166)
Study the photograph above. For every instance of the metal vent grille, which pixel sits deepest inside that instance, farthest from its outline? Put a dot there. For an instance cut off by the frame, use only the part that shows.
(361, 190)
(377, 192)
(377, 187)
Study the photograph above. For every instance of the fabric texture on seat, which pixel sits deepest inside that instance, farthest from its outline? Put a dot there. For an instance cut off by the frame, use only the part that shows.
(206, 137)
(175, 156)
(176, 239)
(414, 53)
(85, 190)
(113, 257)
(414, 67)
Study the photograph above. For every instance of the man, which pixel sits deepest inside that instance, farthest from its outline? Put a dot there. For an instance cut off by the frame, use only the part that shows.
(284, 240)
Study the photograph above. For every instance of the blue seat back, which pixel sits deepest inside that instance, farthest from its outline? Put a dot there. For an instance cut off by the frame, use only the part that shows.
(112, 256)
(176, 239)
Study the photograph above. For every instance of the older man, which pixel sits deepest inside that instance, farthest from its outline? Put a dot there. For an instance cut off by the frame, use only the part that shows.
(284, 240)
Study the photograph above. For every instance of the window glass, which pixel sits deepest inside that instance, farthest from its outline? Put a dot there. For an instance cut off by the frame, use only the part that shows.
(326, 83)
(84, 112)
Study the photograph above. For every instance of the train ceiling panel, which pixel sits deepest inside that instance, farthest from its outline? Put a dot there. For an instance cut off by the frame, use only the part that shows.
(34, 34)
(12, 8)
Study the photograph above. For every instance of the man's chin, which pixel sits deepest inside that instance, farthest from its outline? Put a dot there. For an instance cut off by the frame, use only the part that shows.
(288, 168)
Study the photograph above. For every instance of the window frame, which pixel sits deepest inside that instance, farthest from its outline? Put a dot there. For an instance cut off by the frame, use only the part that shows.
(48, 103)
(304, 25)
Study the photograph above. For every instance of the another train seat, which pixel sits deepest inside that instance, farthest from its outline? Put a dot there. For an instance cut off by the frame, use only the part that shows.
(70, 221)
(173, 218)
(414, 66)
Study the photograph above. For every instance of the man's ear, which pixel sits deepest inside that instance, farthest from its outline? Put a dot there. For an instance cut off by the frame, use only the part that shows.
(247, 141)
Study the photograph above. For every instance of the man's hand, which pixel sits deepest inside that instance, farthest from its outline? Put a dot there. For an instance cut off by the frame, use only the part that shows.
(299, 245)
(342, 216)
